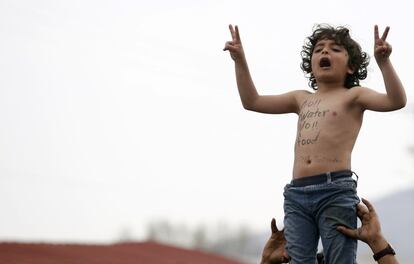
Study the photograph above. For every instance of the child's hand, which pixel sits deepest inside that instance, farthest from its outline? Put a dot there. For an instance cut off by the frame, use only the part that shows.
(235, 46)
(382, 49)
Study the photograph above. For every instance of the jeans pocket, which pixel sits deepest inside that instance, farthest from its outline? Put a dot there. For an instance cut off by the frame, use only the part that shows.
(345, 184)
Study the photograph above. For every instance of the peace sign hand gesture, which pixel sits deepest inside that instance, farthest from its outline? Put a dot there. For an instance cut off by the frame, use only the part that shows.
(382, 49)
(234, 46)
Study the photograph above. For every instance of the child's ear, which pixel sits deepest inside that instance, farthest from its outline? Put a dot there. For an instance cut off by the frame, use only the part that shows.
(350, 71)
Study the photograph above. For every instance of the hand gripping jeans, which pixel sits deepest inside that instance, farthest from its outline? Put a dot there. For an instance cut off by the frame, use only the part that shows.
(314, 206)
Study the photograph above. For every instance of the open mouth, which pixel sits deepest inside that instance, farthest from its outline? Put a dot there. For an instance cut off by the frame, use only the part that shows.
(325, 63)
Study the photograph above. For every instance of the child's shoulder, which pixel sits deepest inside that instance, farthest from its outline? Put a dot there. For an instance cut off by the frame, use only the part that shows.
(302, 93)
(356, 91)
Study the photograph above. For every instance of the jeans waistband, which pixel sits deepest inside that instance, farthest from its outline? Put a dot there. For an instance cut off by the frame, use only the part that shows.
(326, 177)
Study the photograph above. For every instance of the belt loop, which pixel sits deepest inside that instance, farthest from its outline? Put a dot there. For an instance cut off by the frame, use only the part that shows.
(357, 177)
(328, 177)
(353, 172)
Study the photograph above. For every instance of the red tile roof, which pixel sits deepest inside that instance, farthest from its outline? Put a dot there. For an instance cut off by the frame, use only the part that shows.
(122, 253)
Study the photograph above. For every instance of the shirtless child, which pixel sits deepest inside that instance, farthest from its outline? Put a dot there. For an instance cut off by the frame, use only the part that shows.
(322, 193)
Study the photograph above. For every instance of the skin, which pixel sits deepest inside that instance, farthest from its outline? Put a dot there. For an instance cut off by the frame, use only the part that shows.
(370, 232)
(329, 119)
(274, 251)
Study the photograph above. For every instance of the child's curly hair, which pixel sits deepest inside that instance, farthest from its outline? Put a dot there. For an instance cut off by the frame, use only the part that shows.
(358, 60)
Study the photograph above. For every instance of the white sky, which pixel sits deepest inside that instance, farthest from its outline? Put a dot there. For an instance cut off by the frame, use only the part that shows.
(116, 113)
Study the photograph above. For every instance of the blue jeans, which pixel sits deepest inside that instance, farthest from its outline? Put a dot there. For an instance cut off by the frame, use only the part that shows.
(314, 211)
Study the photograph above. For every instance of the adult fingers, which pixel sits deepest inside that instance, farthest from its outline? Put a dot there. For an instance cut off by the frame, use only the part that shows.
(362, 208)
(273, 226)
(353, 233)
(286, 257)
(385, 34)
(360, 214)
(369, 205)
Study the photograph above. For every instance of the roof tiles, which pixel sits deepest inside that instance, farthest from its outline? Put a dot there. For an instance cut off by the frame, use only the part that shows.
(122, 253)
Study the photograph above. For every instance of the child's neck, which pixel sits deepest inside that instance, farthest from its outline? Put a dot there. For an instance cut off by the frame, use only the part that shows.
(324, 88)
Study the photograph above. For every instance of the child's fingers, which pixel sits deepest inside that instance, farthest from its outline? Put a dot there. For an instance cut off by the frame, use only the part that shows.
(376, 34)
(233, 34)
(230, 48)
(389, 49)
(228, 45)
(383, 50)
(237, 33)
(385, 34)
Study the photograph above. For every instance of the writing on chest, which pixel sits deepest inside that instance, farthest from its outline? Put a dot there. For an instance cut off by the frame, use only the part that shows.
(312, 119)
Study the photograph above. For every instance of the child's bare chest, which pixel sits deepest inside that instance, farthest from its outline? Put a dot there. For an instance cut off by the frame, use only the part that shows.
(321, 118)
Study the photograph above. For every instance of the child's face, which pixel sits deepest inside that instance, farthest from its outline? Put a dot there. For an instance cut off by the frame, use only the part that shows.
(330, 62)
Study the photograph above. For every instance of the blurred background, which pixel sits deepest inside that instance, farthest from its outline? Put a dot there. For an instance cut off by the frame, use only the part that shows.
(121, 121)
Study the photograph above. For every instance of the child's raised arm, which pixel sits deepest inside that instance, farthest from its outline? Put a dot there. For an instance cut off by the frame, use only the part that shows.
(395, 97)
(251, 100)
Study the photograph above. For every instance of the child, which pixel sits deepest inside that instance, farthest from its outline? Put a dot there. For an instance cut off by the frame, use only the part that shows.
(322, 193)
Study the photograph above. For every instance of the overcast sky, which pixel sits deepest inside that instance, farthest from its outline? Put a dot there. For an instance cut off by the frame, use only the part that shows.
(116, 113)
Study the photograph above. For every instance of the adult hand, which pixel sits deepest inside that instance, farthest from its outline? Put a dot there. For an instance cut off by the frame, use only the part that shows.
(234, 46)
(370, 230)
(382, 49)
(274, 251)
